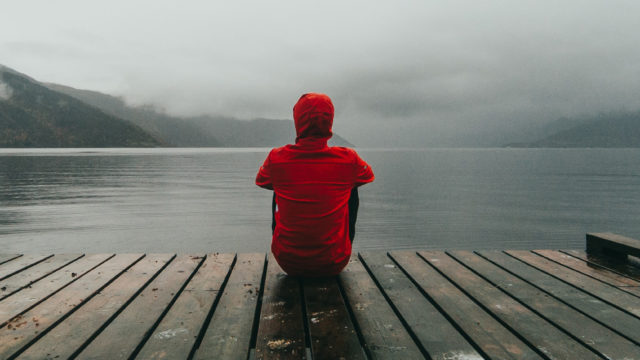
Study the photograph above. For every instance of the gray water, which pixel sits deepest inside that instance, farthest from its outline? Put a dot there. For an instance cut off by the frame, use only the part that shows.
(204, 200)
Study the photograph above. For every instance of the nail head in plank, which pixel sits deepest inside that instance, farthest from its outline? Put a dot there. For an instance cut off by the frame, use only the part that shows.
(593, 307)
(588, 331)
(75, 330)
(129, 328)
(33, 295)
(281, 325)
(228, 334)
(35, 273)
(495, 340)
(331, 332)
(592, 286)
(40, 319)
(436, 334)
(20, 264)
(545, 337)
(384, 335)
(177, 332)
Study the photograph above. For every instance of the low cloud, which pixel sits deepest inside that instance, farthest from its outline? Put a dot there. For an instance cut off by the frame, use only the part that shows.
(401, 73)
(5, 91)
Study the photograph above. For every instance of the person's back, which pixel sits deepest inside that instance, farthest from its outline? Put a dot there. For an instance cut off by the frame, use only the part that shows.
(312, 184)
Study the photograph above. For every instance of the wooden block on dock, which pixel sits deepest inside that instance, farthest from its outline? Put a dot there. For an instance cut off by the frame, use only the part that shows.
(612, 245)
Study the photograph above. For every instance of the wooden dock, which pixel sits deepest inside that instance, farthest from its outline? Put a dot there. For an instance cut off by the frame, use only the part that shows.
(539, 304)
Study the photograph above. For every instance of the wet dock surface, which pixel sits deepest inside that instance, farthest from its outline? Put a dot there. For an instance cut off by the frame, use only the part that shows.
(540, 304)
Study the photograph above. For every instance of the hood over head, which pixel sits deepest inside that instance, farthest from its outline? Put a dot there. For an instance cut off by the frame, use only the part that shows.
(313, 116)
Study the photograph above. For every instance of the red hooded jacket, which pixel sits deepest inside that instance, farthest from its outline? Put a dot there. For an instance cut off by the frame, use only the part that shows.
(312, 184)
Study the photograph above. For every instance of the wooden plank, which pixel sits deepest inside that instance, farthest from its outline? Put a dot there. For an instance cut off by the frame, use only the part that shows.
(621, 282)
(589, 332)
(8, 257)
(623, 268)
(135, 322)
(436, 335)
(281, 326)
(20, 264)
(612, 317)
(331, 332)
(40, 291)
(384, 335)
(228, 335)
(30, 276)
(176, 334)
(612, 244)
(542, 335)
(33, 324)
(603, 291)
(66, 338)
(495, 340)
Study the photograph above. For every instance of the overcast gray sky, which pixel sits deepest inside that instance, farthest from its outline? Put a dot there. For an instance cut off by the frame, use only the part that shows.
(401, 73)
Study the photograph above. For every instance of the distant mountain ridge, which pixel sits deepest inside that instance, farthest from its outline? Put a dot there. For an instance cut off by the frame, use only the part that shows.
(606, 130)
(175, 131)
(32, 115)
(195, 131)
(35, 114)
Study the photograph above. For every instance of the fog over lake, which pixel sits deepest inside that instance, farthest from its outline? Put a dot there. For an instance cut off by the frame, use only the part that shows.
(204, 200)
(401, 73)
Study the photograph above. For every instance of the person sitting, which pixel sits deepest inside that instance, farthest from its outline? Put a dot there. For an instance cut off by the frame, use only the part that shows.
(315, 199)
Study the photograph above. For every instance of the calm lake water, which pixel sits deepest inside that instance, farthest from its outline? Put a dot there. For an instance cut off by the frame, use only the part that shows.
(204, 200)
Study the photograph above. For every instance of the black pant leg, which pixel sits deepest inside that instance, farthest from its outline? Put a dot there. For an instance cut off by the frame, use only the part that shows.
(354, 203)
(273, 213)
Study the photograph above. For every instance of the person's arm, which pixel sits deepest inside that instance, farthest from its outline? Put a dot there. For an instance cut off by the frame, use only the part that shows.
(363, 172)
(263, 179)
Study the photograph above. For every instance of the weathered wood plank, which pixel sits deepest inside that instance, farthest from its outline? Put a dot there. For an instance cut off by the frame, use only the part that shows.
(20, 264)
(134, 323)
(281, 327)
(68, 336)
(589, 332)
(33, 274)
(623, 268)
(604, 291)
(622, 282)
(384, 335)
(612, 244)
(544, 336)
(176, 334)
(8, 257)
(228, 335)
(33, 324)
(436, 334)
(331, 332)
(40, 291)
(612, 317)
(495, 340)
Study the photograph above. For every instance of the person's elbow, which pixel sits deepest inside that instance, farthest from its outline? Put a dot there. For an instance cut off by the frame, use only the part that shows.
(264, 183)
(268, 186)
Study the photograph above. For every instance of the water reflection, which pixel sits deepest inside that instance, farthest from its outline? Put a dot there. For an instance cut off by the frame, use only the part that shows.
(201, 200)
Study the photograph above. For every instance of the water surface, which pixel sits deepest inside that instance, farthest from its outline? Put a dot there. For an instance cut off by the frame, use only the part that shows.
(203, 200)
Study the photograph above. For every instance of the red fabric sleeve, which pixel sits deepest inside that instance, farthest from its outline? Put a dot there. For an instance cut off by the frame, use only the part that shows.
(364, 174)
(263, 179)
